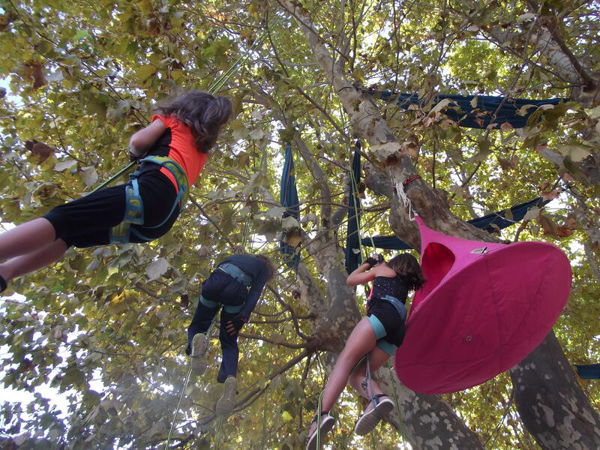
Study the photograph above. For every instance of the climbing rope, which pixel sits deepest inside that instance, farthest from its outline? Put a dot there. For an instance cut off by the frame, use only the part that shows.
(213, 89)
(115, 176)
(185, 385)
(354, 192)
(369, 387)
(218, 83)
(319, 403)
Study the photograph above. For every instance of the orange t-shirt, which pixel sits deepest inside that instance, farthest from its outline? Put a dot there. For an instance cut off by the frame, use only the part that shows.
(182, 149)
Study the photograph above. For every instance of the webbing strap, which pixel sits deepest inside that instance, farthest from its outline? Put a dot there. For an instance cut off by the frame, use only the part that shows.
(134, 205)
(396, 303)
(231, 309)
(134, 210)
(236, 273)
(176, 170)
(120, 233)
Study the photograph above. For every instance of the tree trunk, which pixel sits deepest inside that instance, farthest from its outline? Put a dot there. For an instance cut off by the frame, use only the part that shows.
(550, 402)
(428, 422)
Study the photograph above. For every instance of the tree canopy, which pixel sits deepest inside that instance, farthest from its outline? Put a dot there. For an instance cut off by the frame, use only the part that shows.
(105, 328)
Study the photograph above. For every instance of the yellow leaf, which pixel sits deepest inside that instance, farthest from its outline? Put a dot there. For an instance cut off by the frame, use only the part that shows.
(177, 74)
(145, 71)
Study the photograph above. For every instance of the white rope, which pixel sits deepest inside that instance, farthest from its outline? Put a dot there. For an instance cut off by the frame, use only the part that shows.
(405, 200)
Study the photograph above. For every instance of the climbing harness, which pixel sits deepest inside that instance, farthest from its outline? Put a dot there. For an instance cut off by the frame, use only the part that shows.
(397, 304)
(236, 273)
(134, 206)
(231, 309)
(134, 209)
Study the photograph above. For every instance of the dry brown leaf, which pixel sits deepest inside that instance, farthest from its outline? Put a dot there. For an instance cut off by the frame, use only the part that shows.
(39, 150)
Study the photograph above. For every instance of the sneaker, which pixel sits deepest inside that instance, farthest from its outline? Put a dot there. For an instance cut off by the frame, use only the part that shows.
(327, 422)
(199, 348)
(226, 403)
(377, 408)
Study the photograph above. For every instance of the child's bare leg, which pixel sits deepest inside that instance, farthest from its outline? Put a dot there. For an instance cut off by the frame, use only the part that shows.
(358, 377)
(26, 238)
(360, 342)
(34, 260)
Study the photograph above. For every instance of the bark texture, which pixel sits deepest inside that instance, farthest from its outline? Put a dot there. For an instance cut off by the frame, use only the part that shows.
(427, 421)
(551, 404)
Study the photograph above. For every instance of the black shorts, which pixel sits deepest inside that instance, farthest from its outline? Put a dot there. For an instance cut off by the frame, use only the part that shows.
(87, 221)
(220, 287)
(390, 319)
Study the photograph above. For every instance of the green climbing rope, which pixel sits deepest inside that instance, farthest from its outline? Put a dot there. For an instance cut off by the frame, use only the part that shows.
(213, 89)
(319, 403)
(115, 176)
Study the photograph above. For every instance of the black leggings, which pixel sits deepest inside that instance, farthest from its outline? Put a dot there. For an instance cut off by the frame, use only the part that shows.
(87, 221)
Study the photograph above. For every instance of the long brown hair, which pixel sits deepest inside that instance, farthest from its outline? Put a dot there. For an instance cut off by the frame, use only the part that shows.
(407, 266)
(204, 113)
(270, 265)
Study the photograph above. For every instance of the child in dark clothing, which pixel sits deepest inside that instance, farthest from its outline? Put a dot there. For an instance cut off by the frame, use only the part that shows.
(174, 148)
(376, 336)
(236, 285)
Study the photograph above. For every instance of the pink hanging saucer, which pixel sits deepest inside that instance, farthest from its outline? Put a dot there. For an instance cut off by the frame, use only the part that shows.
(484, 307)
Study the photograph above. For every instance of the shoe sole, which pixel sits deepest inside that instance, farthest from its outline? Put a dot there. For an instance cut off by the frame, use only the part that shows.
(368, 421)
(199, 348)
(326, 426)
(226, 403)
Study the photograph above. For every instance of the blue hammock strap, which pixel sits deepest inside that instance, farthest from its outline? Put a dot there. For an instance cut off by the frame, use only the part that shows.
(588, 371)
(134, 206)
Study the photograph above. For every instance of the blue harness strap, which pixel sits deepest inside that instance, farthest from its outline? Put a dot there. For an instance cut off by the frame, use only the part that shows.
(397, 304)
(232, 309)
(237, 273)
(134, 206)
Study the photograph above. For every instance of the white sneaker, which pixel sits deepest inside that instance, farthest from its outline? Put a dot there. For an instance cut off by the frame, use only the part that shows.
(199, 349)
(377, 408)
(226, 403)
(327, 421)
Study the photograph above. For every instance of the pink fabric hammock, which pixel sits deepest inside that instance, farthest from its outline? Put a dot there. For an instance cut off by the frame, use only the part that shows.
(484, 308)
